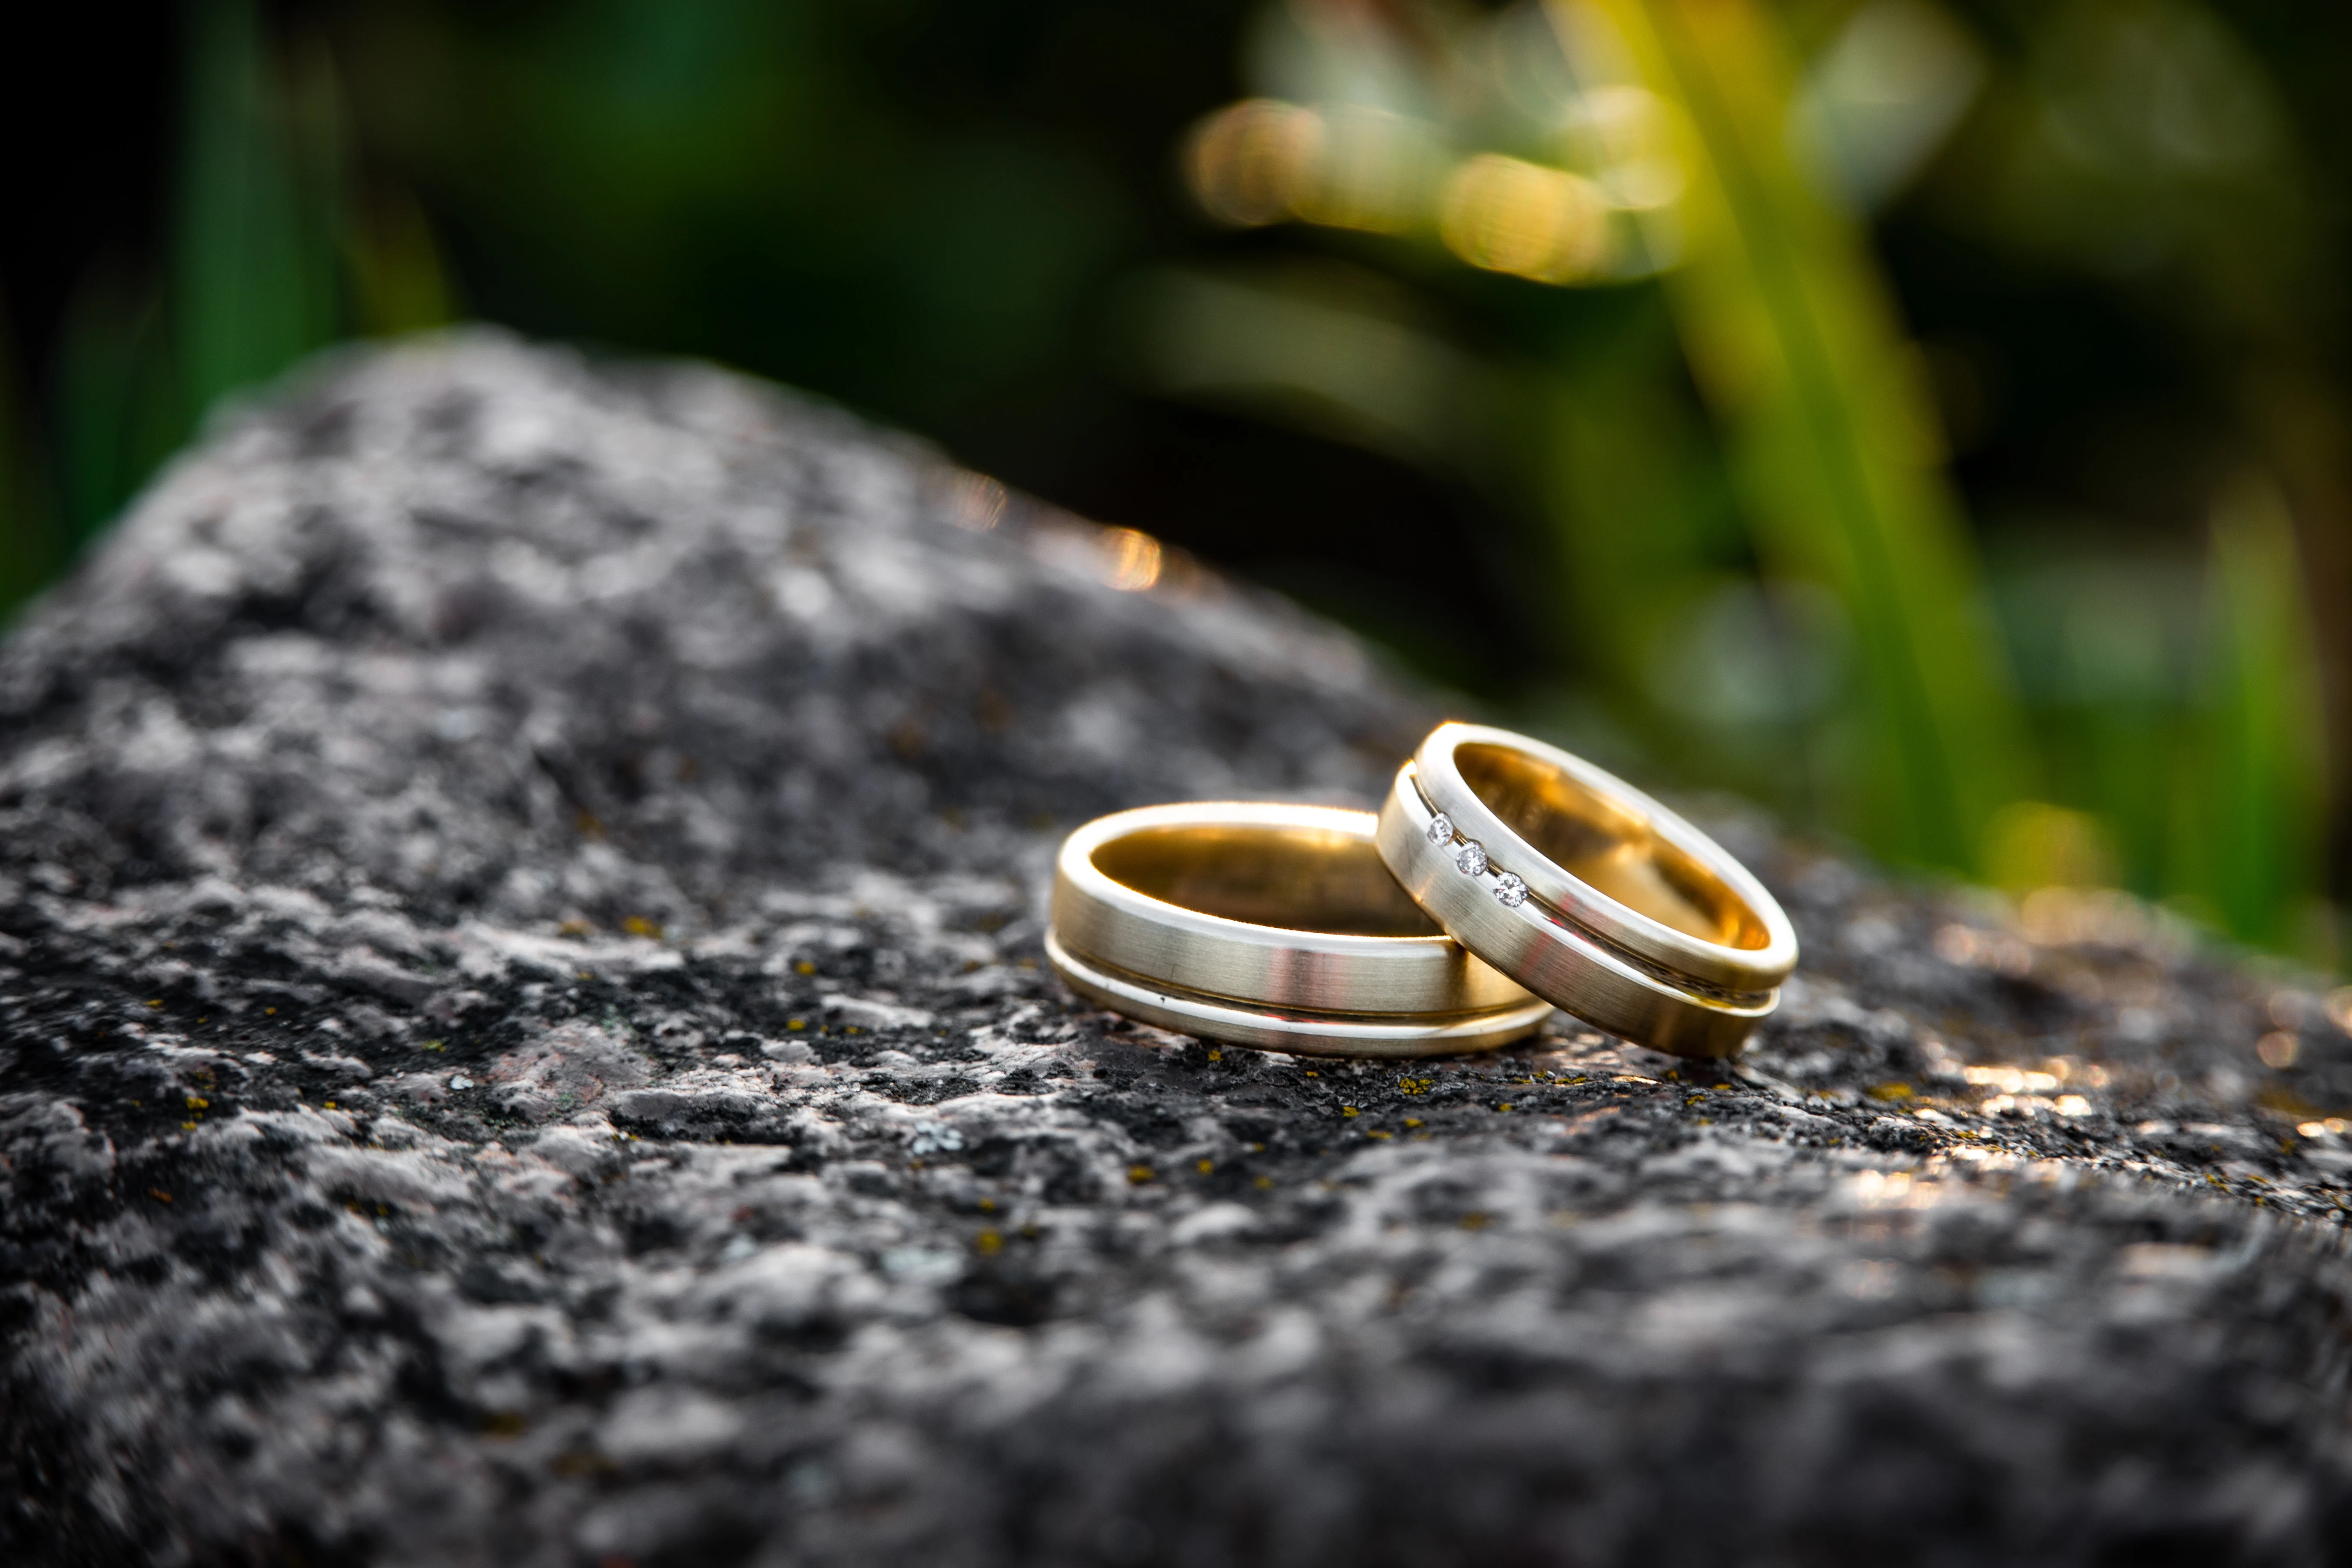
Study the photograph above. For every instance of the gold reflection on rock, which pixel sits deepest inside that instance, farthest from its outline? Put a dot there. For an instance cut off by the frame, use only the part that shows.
(975, 501)
(1131, 560)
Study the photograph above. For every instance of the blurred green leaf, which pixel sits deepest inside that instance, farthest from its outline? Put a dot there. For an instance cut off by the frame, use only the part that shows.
(255, 275)
(1330, 349)
(2106, 642)
(117, 407)
(2255, 784)
(1656, 573)
(255, 285)
(1834, 444)
(399, 282)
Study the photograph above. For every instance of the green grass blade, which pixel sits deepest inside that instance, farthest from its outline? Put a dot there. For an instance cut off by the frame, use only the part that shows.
(255, 257)
(2255, 787)
(1795, 342)
(115, 409)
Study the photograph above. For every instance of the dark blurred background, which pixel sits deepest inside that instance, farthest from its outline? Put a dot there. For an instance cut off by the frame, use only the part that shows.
(1926, 418)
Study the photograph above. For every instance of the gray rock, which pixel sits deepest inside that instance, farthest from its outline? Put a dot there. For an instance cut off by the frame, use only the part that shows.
(519, 898)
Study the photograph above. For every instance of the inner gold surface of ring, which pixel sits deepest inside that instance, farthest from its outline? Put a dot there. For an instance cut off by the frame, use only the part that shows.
(1606, 846)
(1292, 878)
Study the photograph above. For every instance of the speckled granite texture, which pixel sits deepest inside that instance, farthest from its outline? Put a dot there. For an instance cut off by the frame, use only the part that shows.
(521, 1042)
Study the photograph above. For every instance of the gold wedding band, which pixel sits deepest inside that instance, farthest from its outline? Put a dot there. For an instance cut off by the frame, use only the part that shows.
(1585, 890)
(1272, 926)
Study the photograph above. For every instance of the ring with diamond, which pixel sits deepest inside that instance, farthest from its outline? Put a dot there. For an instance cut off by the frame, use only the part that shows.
(1585, 890)
(1273, 926)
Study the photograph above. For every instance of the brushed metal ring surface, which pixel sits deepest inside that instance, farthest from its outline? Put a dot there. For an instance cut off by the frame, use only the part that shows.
(1608, 857)
(1634, 922)
(1268, 925)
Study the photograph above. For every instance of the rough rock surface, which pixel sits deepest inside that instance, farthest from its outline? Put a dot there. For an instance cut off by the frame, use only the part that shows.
(521, 1042)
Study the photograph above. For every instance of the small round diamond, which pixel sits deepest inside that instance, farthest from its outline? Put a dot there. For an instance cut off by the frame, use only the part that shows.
(1440, 828)
(1509, 891)
(1471, 859)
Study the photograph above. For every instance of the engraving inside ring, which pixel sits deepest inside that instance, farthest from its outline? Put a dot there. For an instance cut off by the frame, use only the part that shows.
(1607, 846)
(1290, 879)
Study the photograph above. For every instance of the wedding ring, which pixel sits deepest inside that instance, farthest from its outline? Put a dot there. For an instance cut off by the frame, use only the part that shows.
(1585, 890)
(1273, 926)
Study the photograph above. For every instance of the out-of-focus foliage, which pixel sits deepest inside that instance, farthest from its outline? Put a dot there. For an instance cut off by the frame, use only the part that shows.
(254, 284)
(1832, 438)
(1926, 415)
(275, 249)
(1589, 145)
(1850, 661)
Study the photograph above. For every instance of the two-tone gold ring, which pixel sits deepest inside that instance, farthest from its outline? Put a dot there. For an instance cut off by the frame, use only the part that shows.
(1501, 878)
(1274, 926)
(1585, 890)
